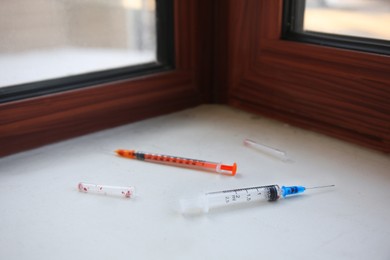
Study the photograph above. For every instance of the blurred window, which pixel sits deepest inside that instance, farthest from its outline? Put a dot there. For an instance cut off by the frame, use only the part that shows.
(349, 23)
(362, 18)
(47, 40)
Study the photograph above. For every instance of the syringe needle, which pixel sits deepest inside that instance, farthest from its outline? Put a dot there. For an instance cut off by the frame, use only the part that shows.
(320, 187)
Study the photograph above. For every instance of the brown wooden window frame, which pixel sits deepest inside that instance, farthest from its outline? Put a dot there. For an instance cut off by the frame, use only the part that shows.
(226, 51)
(164, 61)
(342, 93)
(292, 29)
(32, 122)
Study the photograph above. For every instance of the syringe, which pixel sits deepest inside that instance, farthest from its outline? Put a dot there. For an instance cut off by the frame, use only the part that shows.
(212, 200)
(179, 161)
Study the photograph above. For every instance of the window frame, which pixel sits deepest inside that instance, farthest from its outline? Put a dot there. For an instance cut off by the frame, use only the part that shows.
(164, 62)
(292, 29)
(238, 58)
(338, 92)
(36, 121)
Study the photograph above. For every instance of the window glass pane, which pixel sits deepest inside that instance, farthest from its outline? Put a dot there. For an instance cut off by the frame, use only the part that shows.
(362, 18)
(47, 39)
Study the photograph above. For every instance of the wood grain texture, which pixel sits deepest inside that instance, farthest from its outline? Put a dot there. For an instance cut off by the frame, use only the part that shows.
(227, 51)
(37, 121)
(338, 92)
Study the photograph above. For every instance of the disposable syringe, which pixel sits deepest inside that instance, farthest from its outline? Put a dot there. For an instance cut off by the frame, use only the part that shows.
(179, 161)
(212, 200)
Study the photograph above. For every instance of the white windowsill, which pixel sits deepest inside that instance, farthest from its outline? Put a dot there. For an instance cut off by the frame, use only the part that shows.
(44, 216)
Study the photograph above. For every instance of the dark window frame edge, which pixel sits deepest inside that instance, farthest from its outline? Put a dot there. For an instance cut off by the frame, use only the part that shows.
(164, 54)
(292, 30)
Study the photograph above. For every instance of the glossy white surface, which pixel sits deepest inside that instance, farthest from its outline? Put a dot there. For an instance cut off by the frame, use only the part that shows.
(44, 216)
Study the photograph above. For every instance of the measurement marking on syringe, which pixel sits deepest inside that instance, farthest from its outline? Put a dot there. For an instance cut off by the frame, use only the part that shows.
(239, 190)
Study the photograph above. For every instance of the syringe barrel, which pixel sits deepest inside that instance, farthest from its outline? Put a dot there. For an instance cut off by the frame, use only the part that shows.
(180, 161)
(212, 200)
(230, 197)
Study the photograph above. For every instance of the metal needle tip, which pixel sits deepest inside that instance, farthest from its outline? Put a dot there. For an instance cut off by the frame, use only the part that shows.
(319, 187)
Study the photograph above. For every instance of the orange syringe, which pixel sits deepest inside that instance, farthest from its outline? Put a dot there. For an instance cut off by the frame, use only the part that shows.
(179, 161)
